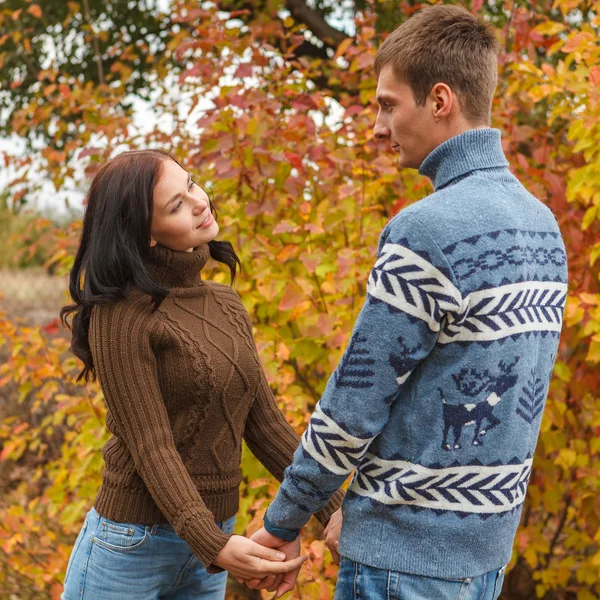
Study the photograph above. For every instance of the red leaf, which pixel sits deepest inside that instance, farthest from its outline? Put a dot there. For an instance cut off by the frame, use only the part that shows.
(285, 227)
(362, 61)
(353, 110)
(304, 102)
(314, 228)
(52, 327)
(295, 160)
(244, 70)
(310, 262)
(89, 152)
(292, 296)
(476, 5)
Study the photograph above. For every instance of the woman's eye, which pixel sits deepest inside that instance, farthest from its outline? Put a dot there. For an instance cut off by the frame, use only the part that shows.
(192, 184)
(177, 207)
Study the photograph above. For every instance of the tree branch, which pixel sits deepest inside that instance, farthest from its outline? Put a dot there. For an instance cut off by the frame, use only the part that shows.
(95, 44)
(30, 64)
(307, 384)
(559, 529)
(308, 49)
(329, 35)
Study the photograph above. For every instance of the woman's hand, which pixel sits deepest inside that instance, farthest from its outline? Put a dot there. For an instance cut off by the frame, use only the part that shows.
(280, 583)
(332, 534)
(247, 559)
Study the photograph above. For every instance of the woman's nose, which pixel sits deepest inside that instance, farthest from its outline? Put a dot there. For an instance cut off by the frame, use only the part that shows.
(200, 205)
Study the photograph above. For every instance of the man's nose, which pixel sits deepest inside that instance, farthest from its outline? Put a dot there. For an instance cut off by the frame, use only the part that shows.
(381, 131)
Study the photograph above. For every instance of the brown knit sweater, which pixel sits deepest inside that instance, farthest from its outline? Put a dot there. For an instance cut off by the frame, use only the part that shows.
(183, 386)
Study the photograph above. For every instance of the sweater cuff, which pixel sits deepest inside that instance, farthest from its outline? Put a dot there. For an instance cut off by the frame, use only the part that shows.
(288, 535)
(324, 514)
(204, 537)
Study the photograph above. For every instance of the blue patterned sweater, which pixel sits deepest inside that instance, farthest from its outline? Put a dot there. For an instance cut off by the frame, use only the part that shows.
(437, 402)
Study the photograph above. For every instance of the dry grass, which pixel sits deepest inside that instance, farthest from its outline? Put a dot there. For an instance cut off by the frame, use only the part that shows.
(32, 294)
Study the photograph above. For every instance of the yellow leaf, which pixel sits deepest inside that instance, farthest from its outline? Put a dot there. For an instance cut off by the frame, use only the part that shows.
(593, 299)
(594, 254)
(574, 313)
(589, 217)
(550, 28)
(593, 352)
(585, 594)
(566, 458)
(562, 371)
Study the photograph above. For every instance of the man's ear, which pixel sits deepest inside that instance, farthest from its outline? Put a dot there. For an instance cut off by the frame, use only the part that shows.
(441, 99)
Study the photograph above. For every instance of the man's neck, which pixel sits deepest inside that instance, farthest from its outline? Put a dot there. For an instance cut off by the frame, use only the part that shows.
(471, 150)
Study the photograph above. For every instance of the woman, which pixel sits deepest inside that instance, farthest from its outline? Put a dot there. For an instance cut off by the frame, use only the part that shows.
(176, 360)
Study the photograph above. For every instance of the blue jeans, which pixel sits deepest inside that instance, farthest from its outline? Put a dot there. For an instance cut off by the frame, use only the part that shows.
(126, 561)
(360, 582)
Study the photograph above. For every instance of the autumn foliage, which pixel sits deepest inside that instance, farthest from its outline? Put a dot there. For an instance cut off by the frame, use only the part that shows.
(283, 142)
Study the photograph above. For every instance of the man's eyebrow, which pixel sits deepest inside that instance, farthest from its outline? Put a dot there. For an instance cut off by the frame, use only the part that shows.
(384, 98)
(178, 193)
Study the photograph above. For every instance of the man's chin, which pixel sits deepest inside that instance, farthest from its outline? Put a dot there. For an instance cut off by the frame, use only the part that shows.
(406, 162)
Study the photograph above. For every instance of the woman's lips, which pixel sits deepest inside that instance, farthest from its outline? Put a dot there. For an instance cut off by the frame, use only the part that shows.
(207, 222)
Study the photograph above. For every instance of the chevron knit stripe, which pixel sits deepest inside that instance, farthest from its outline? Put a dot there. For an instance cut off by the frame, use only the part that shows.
(464, 489)
(331, 446)
(408, 282)
(508, 310)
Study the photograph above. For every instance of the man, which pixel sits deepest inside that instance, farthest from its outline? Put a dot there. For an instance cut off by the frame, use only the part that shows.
(436, 404)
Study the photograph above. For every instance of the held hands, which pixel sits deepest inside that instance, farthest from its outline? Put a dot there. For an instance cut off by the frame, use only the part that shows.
(332, 534)
(285, 582)
(248, 559)
(252, 555)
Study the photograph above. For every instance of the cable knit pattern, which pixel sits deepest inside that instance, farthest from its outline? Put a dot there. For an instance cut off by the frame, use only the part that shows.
(236, 318)
(183, 386)
(199, 357)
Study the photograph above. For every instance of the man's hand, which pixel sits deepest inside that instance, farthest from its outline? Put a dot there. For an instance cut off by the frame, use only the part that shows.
(332, 534)
(283, 582)
(248, 559)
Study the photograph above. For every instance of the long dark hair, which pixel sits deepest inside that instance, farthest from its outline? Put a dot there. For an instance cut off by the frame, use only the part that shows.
(115, 244)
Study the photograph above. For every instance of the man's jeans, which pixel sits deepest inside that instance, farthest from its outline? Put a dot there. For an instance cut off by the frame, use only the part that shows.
(360, 582)
(127, 561)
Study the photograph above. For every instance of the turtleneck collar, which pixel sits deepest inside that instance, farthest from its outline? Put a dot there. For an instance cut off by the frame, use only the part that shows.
(177, 269)
(470, 151)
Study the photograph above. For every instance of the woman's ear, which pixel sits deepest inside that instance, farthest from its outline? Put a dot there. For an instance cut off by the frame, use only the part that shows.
(153, 242)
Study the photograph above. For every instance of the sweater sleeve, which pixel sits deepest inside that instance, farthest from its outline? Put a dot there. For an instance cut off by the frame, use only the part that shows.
(273, 441)
(410, 290)
(121, 337)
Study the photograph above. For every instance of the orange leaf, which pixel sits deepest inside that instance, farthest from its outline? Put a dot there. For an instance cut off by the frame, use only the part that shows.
(344, 45)
(35, 10)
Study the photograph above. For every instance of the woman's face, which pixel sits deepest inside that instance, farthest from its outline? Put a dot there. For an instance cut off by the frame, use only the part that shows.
(182, 219)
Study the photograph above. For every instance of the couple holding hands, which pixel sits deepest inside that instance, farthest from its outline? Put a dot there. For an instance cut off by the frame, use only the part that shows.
(427, 407)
